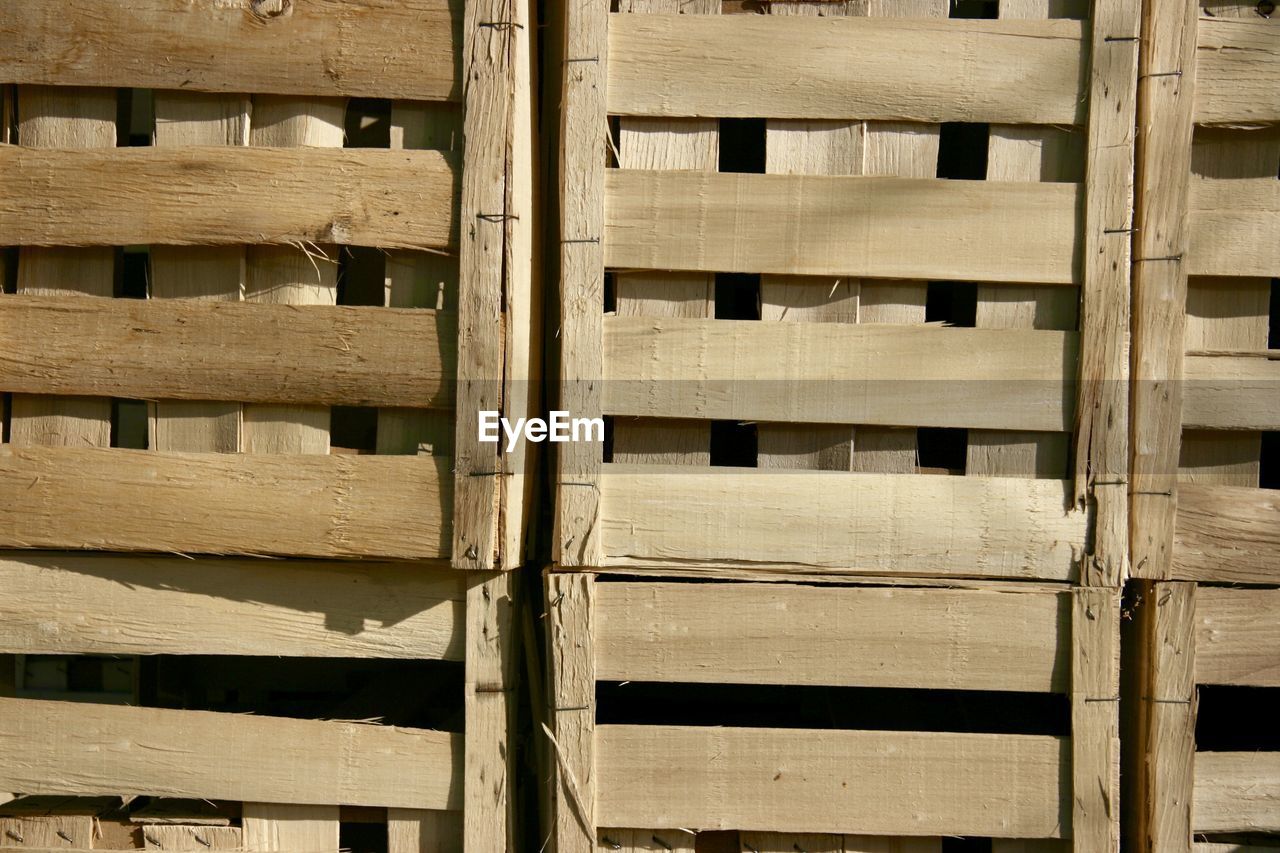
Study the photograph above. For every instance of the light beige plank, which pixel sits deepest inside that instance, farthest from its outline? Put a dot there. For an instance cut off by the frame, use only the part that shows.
(1236, 792)
(832, 781)
(1095, 720)
(1227, 533)
(47, 831)
(838, 373)
(209, 350)
(646, 841)
(841, 225)
(572, 674)
(1232, 227)
(175, 44)
(128, 500)
(1232, 391)
(1016, 72)
(193, 838)
(1169, 750)
(927, 524)
(864, 637)
(404, 199)
(103, 604)
(289, 828)
(1238, 636)
(80, 749)
(423, 831)
(1234, 59)
(489, 698)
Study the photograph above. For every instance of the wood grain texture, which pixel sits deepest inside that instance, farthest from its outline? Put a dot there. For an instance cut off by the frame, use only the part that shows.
(100, 604)
(838, 373)
(218, 503)
(1171, 710)
(334, 47)
(192, 838)
(1236, 792)
(423, 831)
(1234, 59)
(1233, 227)
(213, 350)
(489, 702)
(287, 827)
(841, 225)
(1095, 720)
(79, 749)
(1238, 636)
(572, 680)
(857, 637)
(832, 781)
(403, 199)
(1232, 391)
(1016, 72)
(1227, 533)
(875, 523)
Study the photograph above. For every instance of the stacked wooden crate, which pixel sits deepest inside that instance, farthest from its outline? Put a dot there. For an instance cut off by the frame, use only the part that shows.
(298, 375)
(936, 508)
(1206, 409)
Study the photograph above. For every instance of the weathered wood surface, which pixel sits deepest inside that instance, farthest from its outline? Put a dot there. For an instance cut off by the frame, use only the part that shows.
(1236, 60)
(1238, 636)
(1233, 226)
(1236, 792)
(1231, 391)
(1227, 533)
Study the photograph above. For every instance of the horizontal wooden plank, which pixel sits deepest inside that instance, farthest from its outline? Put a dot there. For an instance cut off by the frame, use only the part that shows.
(102, 604)
(747, 66)
(181, 349)
(1236, 61)
(876, 523)
(798, 780)
(407, 49)
(1238, 636)
(1227, 533)
(191, 195)
(1235, 227)
(939, 639)
(1236, 792)
(394, 507)
(1239, 391)
(89, 750)
(839, 373)
(842, 226)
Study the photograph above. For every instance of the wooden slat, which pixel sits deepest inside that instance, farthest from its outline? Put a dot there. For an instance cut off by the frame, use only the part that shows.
(571, 654)
(207, 350)
(81, 749)
(1232, 391)
(1095, 720)
(924, 524)
(423, 831)
(1234, 227)
(1169, 748)
(1238, 636)
(1016, 72)
(1236, 61)
(1227, 533)
(838, 373)
(283, 827)
(227, 195)
(841, 225)
(333, 47)
(1236, 792)
(221, 503)
(865, 637)
(99, 604)
(832, 781)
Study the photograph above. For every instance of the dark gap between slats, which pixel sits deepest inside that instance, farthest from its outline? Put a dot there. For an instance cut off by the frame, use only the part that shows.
(1269, 461)
(353, 428)
(367, 123)
(942, 449)
(135, 118)
(952, 302)
(1238, 719)
(962, 151)
(734, 445)
(742, 145)
(362, 276)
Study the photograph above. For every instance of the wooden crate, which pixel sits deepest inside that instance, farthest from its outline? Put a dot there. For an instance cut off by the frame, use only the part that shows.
(651, 787)
(850, 228)
(1206, 386)
(434, 788)
(260, 185)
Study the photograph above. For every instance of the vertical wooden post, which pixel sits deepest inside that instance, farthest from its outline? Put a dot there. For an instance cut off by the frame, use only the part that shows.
(584, 145)
(572, 668)
(1171, 713)
(1095, 720)
(490, 709)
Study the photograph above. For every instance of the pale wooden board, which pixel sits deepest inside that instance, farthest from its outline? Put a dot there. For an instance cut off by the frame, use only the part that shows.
(221, 503)
(1234, 59)
(1232, 391)
(403, 199)
(876, 523)
(423, 831)
(211, 350)
(841, 225)
(1095, 720)
(838, 373)
(490, 700)
(646, 841)
(867, 637)
(403, 50)
(289, 828)
(64, 118)
(572, 683)
(1227, 533)
(204, 272)
(1233, 227)
(1238, 636)
(99, 604)
(1169, 747)
(874, 69)
(80, 749)
(1236, 792)
(191, 838)
(833, 781)
(48, 831)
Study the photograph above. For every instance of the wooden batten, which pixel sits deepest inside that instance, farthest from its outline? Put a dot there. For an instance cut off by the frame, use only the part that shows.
(1234, 59)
